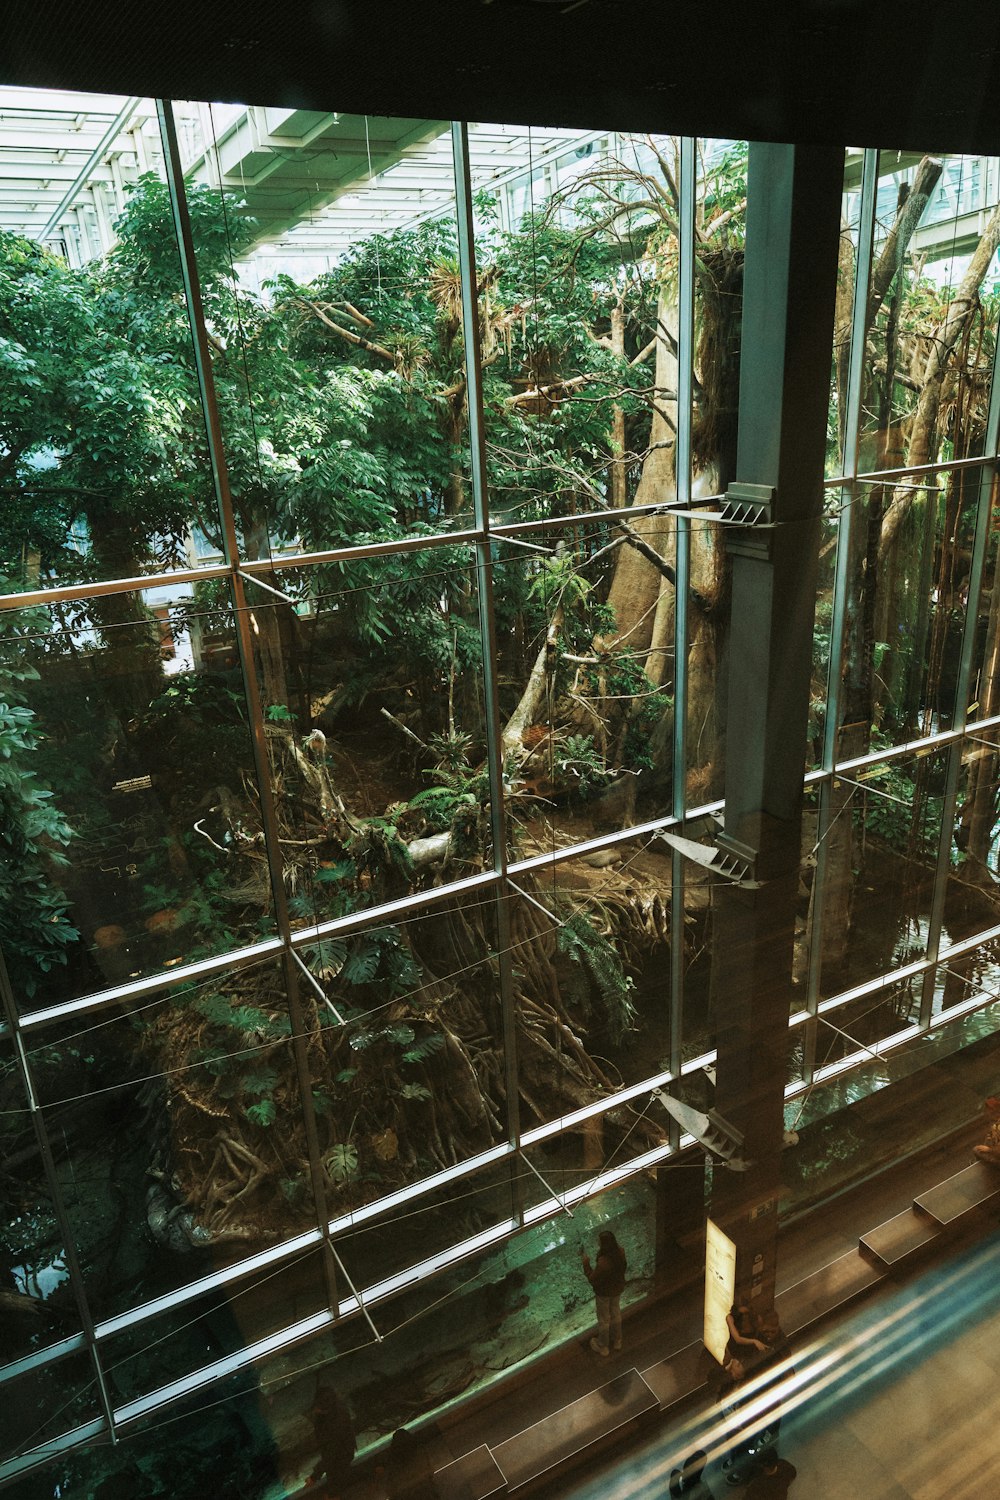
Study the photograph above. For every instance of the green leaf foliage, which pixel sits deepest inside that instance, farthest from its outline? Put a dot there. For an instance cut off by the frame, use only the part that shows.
(596, 955)
(35, 930)
(264, 1112)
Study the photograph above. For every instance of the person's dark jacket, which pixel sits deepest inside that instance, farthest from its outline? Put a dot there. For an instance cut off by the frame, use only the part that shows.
(608, 1276)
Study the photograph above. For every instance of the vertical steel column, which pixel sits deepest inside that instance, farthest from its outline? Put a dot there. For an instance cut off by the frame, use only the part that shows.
(841, 585)
(991, 449)
(220, 475)
(682, 562)
(793, 231)
(487, 627)
(37, 1113)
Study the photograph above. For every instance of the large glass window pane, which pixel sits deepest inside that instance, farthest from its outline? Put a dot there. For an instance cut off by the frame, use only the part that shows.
(327, 254)
(41, 1405)
(40, 1306)
(824, 644)
(130, 781)
(893, 827)
(719, 253)
(878, 1110)
(577, 239)
(422, 1228)
(410, 1078)
(932, 319)
(591, 939)
(149, 1355)
(102, 436)
(376, 729)
(984, 619)
(838, 459)
(217, 1439)
(457, 1333)
(586, 717)
(179, 1137)
(975, 850)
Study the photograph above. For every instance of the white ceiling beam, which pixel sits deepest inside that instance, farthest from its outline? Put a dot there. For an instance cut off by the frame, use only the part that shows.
(117, 125)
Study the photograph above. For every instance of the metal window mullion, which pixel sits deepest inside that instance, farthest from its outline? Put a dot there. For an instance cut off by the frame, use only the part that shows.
(97, 588)
(991, 447)
(466, 537)
(487, 628)
(37, 1116)
(155, 984)
(841, 585)
(378, 1292)
(262, 767)
(682, 562)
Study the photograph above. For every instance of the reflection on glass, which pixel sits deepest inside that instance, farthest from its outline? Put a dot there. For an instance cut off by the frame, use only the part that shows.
(425, 1227)
(413, 1081)
(151, 1354)
(191, 1138)
(135, 805)
(37, 1407)
(587, 716)
(590, 940)
(39, 1307)
(333, 296)
(106, 469)
(376, 729)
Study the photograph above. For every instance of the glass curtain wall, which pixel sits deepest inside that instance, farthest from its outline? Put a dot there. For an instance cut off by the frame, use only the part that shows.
(353, 670)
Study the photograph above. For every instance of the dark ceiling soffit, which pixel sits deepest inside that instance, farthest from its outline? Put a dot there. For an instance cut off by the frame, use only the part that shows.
(854, 72)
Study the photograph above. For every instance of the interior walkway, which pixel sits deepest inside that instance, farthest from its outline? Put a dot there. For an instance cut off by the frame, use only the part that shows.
(897, 1400)
(896, 1396)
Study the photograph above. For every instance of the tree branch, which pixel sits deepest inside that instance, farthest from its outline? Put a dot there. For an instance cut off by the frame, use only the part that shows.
(346, 333)
(946, 335)
(907, 218)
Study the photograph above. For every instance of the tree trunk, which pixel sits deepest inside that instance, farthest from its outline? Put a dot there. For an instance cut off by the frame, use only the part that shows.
(842, 328)
(636, 585)
(619, 489)
(908, 216)
(524, 715)
(131, 665)
(981, 798)
(945, 337)
(266, 622)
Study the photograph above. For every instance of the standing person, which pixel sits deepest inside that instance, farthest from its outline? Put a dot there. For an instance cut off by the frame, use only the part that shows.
(334, 1429)
(607, 1278)
(773, 1479)
(743, 1335)
(687, 1479)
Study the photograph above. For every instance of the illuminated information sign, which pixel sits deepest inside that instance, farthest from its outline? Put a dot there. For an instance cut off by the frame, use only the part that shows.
(720, 1289)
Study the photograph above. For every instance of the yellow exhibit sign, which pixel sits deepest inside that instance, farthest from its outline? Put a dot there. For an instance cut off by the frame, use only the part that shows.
(720, 1289)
